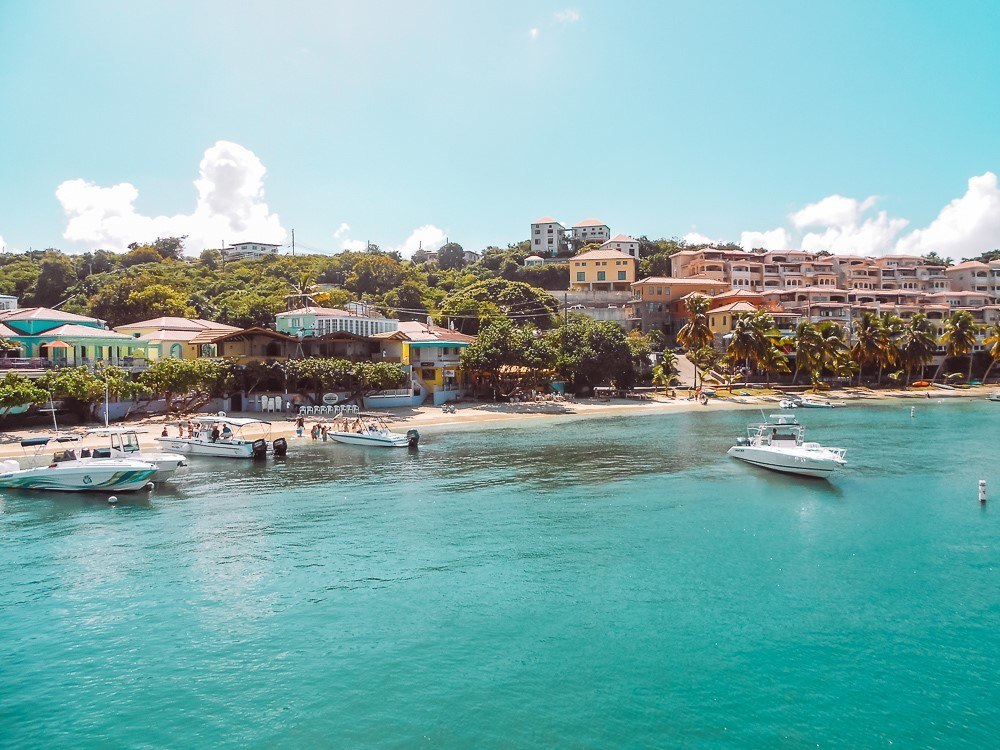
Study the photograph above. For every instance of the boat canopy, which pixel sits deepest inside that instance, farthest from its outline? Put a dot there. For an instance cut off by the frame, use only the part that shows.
(30, 442)
(234, 421)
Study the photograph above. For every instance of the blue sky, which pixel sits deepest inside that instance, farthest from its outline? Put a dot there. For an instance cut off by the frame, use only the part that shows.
(661, 118)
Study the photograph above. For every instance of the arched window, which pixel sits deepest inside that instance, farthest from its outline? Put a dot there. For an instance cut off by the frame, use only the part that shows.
(176, 351)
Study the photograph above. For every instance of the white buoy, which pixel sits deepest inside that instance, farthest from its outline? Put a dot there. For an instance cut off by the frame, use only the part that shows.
(113, 499)
(982, 490)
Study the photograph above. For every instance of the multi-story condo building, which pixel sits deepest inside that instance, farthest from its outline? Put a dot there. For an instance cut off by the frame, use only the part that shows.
(548, 237)
(622, 243)
(590, 230)
(973, 276)
(652, 306)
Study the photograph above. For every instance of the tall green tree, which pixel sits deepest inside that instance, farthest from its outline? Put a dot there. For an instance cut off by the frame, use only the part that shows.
(917, 344)
(696, 334)
(992, 341)
(959, 338)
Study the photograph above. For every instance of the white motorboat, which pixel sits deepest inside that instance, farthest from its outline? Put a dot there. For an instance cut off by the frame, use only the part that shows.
(995, 396)
(69, 473)
(792, 402)
(123, 442)
(369, 428)
(226, 437)
(779, 444)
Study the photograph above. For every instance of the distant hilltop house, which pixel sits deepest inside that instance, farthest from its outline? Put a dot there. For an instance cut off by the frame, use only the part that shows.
(249, 250)
(534, 260)
(549, 237)
(7, 302)
(623, 244)
(320, 321)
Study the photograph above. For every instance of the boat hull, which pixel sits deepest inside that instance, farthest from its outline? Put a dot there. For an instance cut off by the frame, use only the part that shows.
(798, 462)
(375, 440)
(79, 478)
(218, 449)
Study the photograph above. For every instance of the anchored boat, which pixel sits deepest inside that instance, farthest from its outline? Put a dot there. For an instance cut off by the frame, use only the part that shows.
(123, 442)
(227, 437)
(69, 472)
(369, 428)
(779, 444)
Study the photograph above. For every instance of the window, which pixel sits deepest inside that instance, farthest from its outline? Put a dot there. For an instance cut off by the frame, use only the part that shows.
(621, 276)
(581, 276)
(601, 275)
(538, 241)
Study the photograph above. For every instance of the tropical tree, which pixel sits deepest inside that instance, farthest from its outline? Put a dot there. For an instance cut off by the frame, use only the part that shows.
(774, 361)
(871, 342)
(591, 352)
(189, 384)
(501, 346)
(916, 344)
(992, 340)
(696, 333)
(809, 350)
(959, 338)
(17, 390)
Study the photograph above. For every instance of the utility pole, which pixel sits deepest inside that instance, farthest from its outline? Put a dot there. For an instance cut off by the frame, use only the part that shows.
(293, 243)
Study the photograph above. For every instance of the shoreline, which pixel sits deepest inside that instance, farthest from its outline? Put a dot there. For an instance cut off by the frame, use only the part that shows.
(479, 415)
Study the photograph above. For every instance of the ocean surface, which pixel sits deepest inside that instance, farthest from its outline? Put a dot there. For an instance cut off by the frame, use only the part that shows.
(610, 582)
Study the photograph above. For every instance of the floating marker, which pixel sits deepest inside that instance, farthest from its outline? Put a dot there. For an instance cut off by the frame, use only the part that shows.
(113, 499)
(982, 490)
(913, 411)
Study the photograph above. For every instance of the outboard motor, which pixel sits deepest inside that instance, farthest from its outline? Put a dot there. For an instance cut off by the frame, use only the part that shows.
(280, 448)
(412, 438)
(259, 449)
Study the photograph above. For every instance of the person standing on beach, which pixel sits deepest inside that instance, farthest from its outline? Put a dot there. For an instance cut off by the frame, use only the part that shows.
(300, 425)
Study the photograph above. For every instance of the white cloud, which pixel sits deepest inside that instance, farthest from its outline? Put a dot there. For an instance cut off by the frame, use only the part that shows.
(533, 33)
(832, 210)
(569, 15)
(230, 207)
(428, 237)
(965, 227)
(775, 239)
(697, 238)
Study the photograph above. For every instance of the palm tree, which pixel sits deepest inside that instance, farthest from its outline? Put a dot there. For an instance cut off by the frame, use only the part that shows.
(870, 340)
(917, 344)
(665, 373)
(745, 344)
(889, 354)
(774, 360)
(809, 349)
(959, 337)
(993, 342)
(696, 333)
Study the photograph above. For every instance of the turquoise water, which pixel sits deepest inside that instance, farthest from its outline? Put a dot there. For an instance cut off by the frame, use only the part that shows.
(606, 582)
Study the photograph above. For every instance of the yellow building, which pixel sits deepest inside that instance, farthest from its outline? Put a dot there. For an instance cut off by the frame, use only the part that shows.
(722, 319)
(605, 270)
(176, 338)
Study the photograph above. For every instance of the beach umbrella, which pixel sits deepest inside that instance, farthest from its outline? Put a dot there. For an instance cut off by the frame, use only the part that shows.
(57, 344)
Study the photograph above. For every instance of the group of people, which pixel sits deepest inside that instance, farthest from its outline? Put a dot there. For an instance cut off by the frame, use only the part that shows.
(186, 429)
(319, 430)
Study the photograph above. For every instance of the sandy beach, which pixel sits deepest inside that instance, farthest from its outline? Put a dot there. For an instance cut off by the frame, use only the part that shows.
(430, 419)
